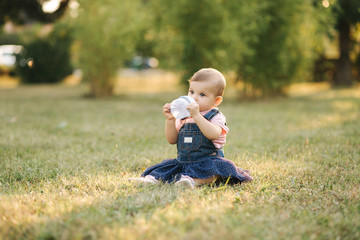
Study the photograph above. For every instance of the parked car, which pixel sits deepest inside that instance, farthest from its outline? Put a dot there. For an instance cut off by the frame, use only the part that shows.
(141, 63)
(8, 57)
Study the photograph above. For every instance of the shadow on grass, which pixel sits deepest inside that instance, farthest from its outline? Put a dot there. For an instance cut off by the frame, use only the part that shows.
(281, 139)
(117, 210)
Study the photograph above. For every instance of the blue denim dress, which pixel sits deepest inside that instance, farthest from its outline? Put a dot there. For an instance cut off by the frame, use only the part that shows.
(197, 157)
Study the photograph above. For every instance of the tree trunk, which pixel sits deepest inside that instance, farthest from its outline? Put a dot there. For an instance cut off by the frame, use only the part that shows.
(100, 91)
(101, 85)
(343, 68)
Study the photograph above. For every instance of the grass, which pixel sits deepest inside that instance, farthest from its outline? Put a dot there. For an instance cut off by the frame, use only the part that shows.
(65, 162)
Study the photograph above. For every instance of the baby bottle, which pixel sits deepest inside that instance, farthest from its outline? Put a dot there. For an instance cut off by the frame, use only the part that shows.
(178, 107)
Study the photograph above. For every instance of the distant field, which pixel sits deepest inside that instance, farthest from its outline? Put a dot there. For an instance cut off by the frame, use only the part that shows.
(65, 162)
(127, 81)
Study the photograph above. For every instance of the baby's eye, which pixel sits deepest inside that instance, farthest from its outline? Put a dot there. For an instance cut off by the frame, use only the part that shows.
(191, 92)
(202, 94)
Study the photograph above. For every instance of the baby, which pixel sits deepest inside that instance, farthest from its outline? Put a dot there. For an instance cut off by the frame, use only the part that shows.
(199, 138)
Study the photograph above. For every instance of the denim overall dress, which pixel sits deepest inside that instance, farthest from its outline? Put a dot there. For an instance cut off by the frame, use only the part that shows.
(197, 157)
(193, 146)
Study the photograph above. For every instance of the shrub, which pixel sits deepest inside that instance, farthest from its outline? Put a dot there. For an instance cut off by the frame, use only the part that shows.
(106, 41)
(286, 50)
(46, 60)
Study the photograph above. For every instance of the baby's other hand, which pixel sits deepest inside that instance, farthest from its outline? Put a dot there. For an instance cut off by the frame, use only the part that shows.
(193, 109)
(167, 113)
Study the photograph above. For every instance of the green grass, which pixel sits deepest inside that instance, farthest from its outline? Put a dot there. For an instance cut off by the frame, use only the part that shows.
(65, 162)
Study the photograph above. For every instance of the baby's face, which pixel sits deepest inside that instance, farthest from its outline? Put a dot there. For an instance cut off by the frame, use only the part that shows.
(203, 93)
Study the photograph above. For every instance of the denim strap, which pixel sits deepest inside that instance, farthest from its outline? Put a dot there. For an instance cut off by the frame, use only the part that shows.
(212, 113)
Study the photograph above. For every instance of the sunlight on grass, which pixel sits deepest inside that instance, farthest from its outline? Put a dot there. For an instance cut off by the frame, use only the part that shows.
(65, 164)
(146, 81)
(7, 82)
(299, 89)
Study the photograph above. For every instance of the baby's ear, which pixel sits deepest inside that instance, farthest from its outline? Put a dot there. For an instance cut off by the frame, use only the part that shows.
(218, 100)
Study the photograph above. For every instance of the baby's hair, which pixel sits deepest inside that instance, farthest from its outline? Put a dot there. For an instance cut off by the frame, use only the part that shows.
(206, 74)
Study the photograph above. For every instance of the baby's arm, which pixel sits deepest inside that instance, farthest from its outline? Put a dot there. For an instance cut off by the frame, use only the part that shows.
(210, 130)
(170, 129)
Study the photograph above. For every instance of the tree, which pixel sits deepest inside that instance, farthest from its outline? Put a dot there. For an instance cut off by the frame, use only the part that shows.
(348, 14)
(283, 51)
(107, 32)
(190, 34)
(24, 11)
(245, 22)
(206, 33)
(46, 59)
(268, 44)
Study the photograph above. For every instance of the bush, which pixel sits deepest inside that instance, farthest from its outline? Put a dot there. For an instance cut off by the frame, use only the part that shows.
(12, 39)
(106, 41)
(286, 50)
(46, 60)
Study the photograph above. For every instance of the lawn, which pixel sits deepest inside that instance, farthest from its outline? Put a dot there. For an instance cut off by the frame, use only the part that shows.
(66, 160)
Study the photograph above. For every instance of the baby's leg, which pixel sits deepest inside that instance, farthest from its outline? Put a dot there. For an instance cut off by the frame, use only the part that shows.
(205, 181)
(192, 182)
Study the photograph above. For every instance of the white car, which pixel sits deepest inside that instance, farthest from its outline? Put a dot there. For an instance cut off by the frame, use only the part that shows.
(8, 56)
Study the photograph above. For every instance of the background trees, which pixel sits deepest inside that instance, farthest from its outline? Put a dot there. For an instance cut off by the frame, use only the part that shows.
(46, 54)
(195, 32)
(347, 13)
(25, 11)
(268, 45)
(265, 44)
(46, 59)
(284, 50)
(107, 32)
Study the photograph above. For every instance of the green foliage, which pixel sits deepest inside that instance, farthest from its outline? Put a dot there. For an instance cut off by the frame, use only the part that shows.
(107, 32)
(9, 39)
(347, 14)
(348, 11)
(200, 24)
(46, 59)
(284, 52)
(267, 44)
(25, 11)
(191, 34)
(245, 21)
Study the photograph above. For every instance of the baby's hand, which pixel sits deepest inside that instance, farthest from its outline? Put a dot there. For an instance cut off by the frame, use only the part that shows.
(193, 109)
(167, 113)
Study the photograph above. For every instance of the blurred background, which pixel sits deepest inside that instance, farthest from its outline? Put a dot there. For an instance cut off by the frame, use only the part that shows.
(119, 46)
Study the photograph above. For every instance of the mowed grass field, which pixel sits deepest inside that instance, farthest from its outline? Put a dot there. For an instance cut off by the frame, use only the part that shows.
(65, 164)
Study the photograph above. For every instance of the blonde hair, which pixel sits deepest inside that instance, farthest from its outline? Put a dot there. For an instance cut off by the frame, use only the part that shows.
(206, 74)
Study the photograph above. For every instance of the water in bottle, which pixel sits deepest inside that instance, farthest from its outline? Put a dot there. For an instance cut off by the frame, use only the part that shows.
(178, 107)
